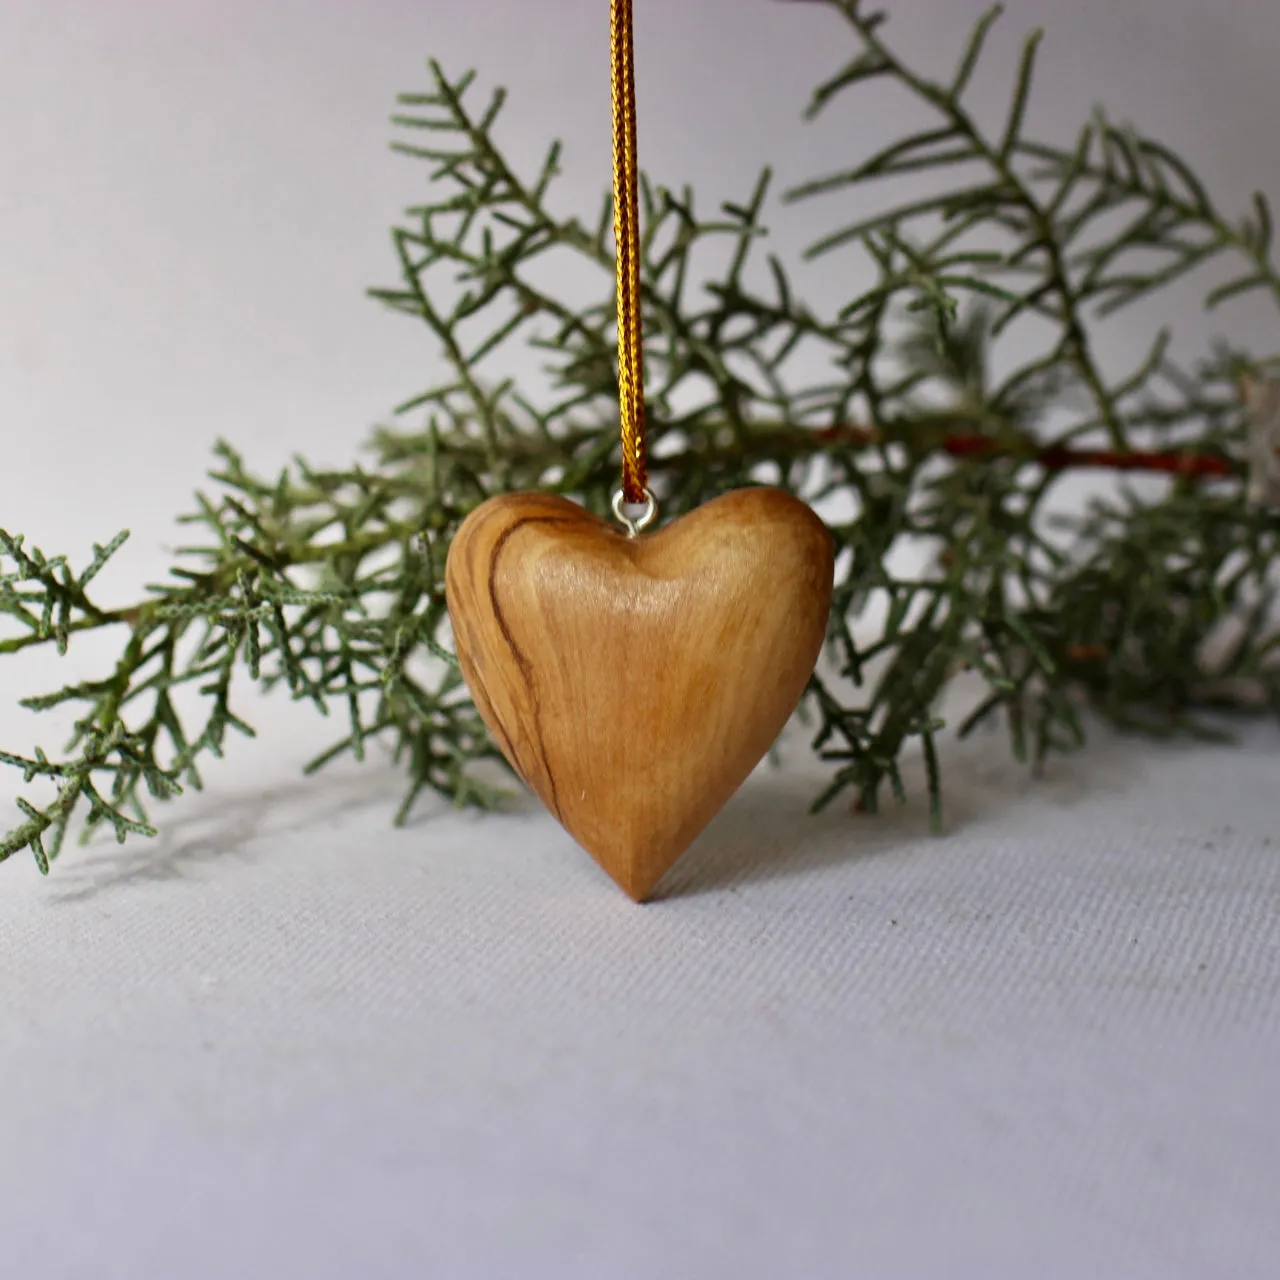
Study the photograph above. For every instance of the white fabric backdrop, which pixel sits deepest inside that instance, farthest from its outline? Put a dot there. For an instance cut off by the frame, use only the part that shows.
(285, 1041)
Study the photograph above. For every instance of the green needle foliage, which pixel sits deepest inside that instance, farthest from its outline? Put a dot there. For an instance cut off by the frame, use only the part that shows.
(1154, 608)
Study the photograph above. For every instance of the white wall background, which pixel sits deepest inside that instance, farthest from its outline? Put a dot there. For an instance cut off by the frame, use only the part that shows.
(195, 194)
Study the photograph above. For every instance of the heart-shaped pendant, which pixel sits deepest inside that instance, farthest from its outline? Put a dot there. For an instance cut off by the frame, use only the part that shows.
(635, 682)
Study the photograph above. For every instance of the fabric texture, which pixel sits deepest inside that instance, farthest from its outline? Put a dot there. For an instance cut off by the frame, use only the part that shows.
(285, 1039)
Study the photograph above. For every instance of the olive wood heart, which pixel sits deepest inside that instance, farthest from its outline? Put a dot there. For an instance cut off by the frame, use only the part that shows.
(634, 683)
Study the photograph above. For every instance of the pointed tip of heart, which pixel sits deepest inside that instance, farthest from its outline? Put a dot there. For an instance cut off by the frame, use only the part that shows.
(639, 892)
(636, 883)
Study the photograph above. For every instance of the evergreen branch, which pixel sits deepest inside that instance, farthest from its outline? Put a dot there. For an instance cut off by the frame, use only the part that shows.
(1156, 613)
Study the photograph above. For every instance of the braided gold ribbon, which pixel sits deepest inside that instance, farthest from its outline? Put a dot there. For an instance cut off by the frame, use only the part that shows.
(626, 234)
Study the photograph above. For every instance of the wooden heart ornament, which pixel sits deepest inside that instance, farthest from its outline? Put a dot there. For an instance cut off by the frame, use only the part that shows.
(634, 683)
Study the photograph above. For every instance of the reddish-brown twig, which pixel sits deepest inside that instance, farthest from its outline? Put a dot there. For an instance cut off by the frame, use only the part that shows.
(972, 445)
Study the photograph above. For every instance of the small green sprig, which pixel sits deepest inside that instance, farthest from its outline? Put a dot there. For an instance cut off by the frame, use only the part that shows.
(327, 584)
(1155, 610)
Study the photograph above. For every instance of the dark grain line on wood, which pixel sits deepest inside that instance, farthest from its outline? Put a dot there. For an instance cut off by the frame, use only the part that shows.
(522, 662)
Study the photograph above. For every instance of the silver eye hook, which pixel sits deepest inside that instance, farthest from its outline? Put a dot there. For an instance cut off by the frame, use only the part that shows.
(635, 523)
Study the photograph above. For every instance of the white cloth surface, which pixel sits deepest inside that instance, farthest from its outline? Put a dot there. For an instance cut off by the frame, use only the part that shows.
(286, 1040)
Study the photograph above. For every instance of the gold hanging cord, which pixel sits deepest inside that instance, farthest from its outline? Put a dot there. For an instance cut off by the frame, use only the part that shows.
(626, 234)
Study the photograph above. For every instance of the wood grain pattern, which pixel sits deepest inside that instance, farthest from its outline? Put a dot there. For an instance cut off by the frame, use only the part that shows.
(634, 683)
